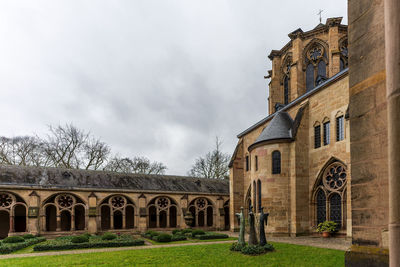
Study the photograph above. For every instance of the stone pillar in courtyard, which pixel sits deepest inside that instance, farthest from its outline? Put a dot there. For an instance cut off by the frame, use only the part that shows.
(392, 49)
(33, 214)
(220, 223)
(92, 214)
(142, 225)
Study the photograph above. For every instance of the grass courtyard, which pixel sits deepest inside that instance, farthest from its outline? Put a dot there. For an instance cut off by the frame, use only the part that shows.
(199, 255)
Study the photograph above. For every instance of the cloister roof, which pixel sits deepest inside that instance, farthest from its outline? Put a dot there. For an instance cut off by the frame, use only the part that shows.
(39, 177)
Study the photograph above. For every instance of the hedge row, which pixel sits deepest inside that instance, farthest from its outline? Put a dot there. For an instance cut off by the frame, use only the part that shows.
(109, 244)
(211, 236)
(6, 248)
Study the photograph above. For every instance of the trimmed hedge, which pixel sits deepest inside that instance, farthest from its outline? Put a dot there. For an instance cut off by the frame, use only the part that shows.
(211, 236)
(80, 239)
(176, 231)
(253, 250)
(13, 239)
(236, 247)
(28, 236)
(6, 248)
(198, 232)
(163, 238)
(185, 231)
(178, 237)
(109, 244)
(109, 236)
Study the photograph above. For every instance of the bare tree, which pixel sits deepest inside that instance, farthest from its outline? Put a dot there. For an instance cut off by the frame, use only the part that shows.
(213, 165)
(135, 165)
(69, 147)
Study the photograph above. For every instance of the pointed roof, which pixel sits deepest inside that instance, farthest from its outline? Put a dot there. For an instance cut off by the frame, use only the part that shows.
(280, 128)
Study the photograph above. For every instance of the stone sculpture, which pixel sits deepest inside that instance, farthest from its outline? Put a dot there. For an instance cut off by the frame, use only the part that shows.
(263, 219)
(252, 235)
(240, 217)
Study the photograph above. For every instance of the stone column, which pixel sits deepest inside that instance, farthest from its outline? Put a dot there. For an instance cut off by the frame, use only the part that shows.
(73, 221)
(93, 221)
(142, 223)
(33, 224)
(392, 50)
(12, 230)
(124, 220)
(58, 223)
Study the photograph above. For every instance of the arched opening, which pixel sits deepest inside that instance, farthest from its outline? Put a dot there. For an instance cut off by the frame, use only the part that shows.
(172, 216)
(200, 218)
(276, 162)
(117, 219)
(51, 218)
(4, 223)
(130, 217)
(105, 217)
(20, 218)
(254, 195)
(165, 212)
(79, 218)
(152, 217)
(210, 215)
(193, 212)
(226, 217)
(163, 219)
(259, 194)
(65, 217)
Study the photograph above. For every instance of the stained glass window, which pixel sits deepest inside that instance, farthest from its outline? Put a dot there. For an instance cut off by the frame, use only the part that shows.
(336, 209)
(276, 162)
(339, 128)
(322, 69)
(321, 206)
(326, 133)
(259, 194)
(286, 90)
(317, 136)
(310, 77)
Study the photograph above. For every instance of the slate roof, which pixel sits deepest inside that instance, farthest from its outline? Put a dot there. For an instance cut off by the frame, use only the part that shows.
(280, 127)
(44, 178)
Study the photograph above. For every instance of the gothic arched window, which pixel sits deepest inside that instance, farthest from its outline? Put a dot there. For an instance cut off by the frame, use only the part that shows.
(330, 195)
(259, 194)
(276, 162)
(343, 54)
(315, 62)
(286, 90)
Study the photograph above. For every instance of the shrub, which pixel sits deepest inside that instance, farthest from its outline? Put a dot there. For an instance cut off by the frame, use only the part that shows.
(13, 239)
(109, 236)
(236, 247)
(198, 232)
(108, 244)
(269, 247)
(178, 237)
(253, 250)
(188, 234)
(176, 231)
(327, 226)
(211, 236)
(80, 239)
(164, 238)
(28, 236)
(184, 231)
(87, 234)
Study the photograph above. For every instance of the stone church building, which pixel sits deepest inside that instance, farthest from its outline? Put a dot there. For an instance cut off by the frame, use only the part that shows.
(296, 161)
(55, 201)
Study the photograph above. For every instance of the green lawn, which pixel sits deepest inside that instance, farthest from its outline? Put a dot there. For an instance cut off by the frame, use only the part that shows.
(199, 255)
(190, 241)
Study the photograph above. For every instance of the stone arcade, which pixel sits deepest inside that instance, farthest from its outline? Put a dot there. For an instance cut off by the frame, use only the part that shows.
(54, 201)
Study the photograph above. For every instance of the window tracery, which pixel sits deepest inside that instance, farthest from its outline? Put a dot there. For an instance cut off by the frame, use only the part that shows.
(315, 64)
(203, 211)
(343, 54)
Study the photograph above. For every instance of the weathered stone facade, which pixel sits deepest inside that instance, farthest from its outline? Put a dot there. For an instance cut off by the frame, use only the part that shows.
(308, 93)
(54, 201)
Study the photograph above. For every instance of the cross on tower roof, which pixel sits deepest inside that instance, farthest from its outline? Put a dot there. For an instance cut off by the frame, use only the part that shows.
(320, 15)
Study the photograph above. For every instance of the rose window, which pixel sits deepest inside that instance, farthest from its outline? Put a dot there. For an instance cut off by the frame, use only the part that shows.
(335, 177)
(162, 202)
(65, 201)
(117, 202)
(5, 200)
(201, 203)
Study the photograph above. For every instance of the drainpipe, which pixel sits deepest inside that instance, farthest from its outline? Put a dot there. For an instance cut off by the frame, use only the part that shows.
(392, 50)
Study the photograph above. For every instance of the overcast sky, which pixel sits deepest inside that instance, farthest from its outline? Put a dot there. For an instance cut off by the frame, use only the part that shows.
(151, 78)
